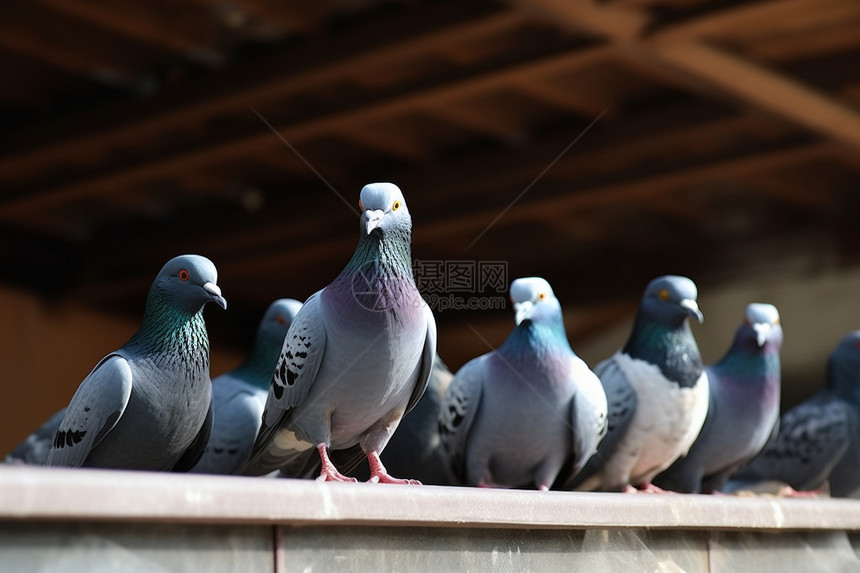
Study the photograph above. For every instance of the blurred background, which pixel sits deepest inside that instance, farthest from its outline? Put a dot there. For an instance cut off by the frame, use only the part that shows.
(598, 145)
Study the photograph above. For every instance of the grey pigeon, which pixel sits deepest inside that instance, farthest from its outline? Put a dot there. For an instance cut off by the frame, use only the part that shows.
(239, 396)
(657, 392)
(35, 448)
(416, 447)
(743, 408)
(513, 417)
(356, 359)
(819, 439)
(147, 405)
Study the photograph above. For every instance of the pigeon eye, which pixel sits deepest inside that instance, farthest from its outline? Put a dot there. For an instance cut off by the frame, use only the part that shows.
(663, 294)
(183, 275)
(280, 319)
(360, 205)
(542, 296)
(395, 206)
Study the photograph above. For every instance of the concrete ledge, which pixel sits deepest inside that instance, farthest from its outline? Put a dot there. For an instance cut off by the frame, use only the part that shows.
(47, 494)
(85, 521)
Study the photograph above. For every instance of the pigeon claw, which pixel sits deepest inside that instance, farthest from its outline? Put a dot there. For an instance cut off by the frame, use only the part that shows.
(378, 473)
(645, 487)
(329, 472)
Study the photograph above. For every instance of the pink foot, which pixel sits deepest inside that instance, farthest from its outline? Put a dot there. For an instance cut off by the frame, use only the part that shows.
(378, 473)
(329, 472)
(789, 491)
(645, 487)
(648, 487)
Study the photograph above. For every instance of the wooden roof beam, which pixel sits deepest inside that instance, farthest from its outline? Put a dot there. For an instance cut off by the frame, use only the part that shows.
(745, 81)
(640, 189)
(761, 19)
(589, 16)
(753, 84)
(133, 20)
(264, 140)
(283, 85)
(570, 101)
(34, 32)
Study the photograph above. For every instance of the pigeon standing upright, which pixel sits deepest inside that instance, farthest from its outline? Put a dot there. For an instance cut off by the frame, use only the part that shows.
(239, 396)
(147, 405)
(356, 359)
(657, 392)
(513, 417)
(416, 447)
(818, 442)
(743, 408)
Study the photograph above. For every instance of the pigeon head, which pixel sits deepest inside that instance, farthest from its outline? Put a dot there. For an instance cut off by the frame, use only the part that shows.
(258, 367)
(672, 298)
(763, 320)
(189, 282)
(277, 320)
(534, 301)
(383, 210)
(843, 368)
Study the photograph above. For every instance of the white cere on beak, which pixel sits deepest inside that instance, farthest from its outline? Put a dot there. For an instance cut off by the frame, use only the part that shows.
(522, 311)
(374, 218)
(762, 329)
(693, 308)
(215, 292)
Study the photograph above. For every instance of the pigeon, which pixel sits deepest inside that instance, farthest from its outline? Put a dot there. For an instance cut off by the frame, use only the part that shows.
(35, 448)
(657, 392)
(356, 359)
(818, 442)
(239, 396)
(513, 417)
(416, 446)
(147, 405)
(743, 407)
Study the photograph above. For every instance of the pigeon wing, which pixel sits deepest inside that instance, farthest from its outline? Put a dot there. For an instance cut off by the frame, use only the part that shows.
(93, 412)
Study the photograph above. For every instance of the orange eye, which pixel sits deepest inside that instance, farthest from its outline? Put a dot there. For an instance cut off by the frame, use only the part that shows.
(395, 206)
(542, 296)
(663, 294)
(183, 275)
(280, 319)
(361, 205)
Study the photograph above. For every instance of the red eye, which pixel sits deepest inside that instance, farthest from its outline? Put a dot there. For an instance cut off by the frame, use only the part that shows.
(280, 319)
(361, 205)
(183, 275)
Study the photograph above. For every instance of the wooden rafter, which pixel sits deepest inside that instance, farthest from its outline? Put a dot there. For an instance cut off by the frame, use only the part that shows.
(136, 24)
(681, 49)
(335, 123)
(280, 87)
(765, 89)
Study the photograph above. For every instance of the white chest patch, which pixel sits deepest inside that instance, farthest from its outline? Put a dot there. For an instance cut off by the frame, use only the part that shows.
(592, 391)
(288, 441)
(667, 421)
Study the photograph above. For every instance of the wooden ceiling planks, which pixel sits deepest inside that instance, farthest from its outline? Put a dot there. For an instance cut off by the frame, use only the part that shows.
(465, 105)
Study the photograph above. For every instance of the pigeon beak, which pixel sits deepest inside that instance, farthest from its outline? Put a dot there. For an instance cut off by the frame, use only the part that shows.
(215, 294)
(762, 329)
(522, 311)
(374, 218)
(692, 309)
